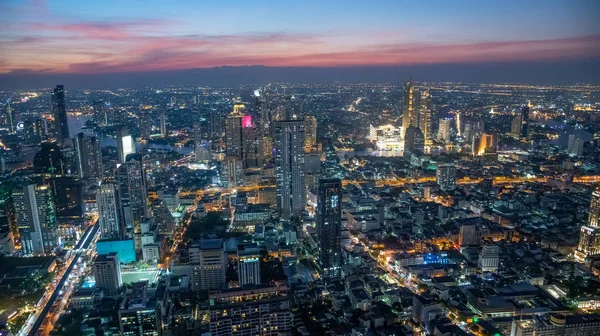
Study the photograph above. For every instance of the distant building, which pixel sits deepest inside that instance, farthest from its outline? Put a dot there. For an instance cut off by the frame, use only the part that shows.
(289, 167)
(486, 143)
(110, 215)
(107, 272)
(125, 143)
(249, 264)
(589, 237)
(131, 184)
(233, 131)
(414, 141)
(252, 151)
(425, 110)
(209, 263)
(489, 258)
(60, 114)
(387, 137)
(88, 157)
(445, 177)
(444, 130)
(231, 172)
(329, 225)
(145, 124)
(409, 113)
(163, 123)
(310, 130)
(469, 235)
(575, 145)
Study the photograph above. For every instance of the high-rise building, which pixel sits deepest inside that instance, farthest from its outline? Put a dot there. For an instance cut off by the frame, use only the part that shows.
(252, 151)
(101, 113)
(107, 273)
(131, 180)
(88, 157)
(555, 324)
(202, 152)
(60, 114)
(489, 258)
(589, 236)
(249, 264)
(525, 122)
(110, 216)
(215, 125)
(35, 216)
(209, 263)
(34, 131)
(414, 140)
(145, 124)
(140, 312)
(310, 130)
(594, 212)
(8, 119)
(469, 235)
(445, 177)
(260, 310)
(409, 113)
(444, 130)
(329, 225)
(515, 127)
(233, 131)
(289, 166)
(486, 143)
(163, 123)
(575, 145)
(50, 161)
(231, 172)
(425, 114)
(125, 143)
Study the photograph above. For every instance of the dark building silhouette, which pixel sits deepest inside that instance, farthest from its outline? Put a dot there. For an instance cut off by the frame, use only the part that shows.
(329, 225)
(60, 114)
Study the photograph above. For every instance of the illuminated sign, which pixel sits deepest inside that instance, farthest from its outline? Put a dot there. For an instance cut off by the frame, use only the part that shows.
(247, 121)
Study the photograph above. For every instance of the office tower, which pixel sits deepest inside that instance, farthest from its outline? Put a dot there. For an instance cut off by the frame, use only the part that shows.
(125, 143)
(131, 180)
(49, 161)
(292, 109)
(414, 140)
(445, 177)
(594, 212)
(88, 157)
(515, 127)
(468, 133)
(197, 131)
(101, 113)
(485, 143)
(409, 114)
(329, 225)
(34, 131)
(249, 264)
(556, 324)
(589, 236)
(233, 131)
(310, 130)
(8, 119)
(575, 145)
(262, 310)
(140, 311)
(110, 217)
(524, 134)
(163, 123)
(145, 125)
(231, 172)
(209, 263)
(425, 114)
(444, 130)
(489, 258)
(60, 114)
(469, 235)
(107, 273)
(252, 151)
(202, 152)
(289, 167)
(215, 125)
(35, 216)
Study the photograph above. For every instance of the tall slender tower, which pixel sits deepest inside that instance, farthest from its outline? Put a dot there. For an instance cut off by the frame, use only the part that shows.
(110, 217)
(233, 131)
(145, 125)
(310, 129)
(163, 123)
(88, 157)
(525, 122)
(131, 181)
(35, 214)
(252, 151)
(289, 166)
(425, 114)
(60, 114)
(409, 115)
(9, 118)
(329, 225)
(589, 236)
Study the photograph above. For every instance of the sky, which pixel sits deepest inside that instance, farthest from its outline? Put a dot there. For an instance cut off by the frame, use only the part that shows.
(113, 36)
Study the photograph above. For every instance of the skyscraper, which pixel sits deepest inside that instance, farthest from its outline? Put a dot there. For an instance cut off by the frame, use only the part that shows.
(594, 212)
(131, 180)
(575, 145)
(310, 129)
(409, 114)
(215, 125)
(469, 235)
(445, 177)
(110, 216)
(289, 166)
(414, 140)
(444, 130)
(329, 225)
(60, 114)
(489, 258)
(233, 131)
(107, 273)
(485, 143)
(249, 264)
(209, 263)
(163, 123)
(8, 119)
(515, 127)
(125, 143)
(252, 151)
(35, 216)
(231, 172)
(425, 114)
(524, 134)
(145, 125)
(101, 113)
(88, 157)
(140, 312)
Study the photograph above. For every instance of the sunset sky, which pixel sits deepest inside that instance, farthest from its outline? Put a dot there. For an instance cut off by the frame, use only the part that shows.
(88, 36)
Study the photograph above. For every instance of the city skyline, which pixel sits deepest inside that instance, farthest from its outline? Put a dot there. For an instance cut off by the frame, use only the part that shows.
(120, 37)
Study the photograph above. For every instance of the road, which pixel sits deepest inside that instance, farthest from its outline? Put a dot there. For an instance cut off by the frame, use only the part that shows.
(80, 249)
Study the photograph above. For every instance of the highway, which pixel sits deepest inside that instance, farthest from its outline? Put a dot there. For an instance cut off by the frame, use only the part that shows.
(82, 246)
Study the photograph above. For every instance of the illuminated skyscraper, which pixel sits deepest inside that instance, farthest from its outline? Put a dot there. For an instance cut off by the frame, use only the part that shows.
(88, 157)
(215, 125)
(594, 212)
(8, 119)
(231, 172)
(60, 114)
(484, 144)
(445, 177)
(329, 225)
(444, 130)
(525, 122)
(110, 216)
(163, 123)
(310, 130)
(131, 180)
(425, 114)
(233, 131)
(515, 127)
(125, 143)
(589, 238)
(289, 166)
(145, 125)
(252, 151)
(409, 114)
(35, 215)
